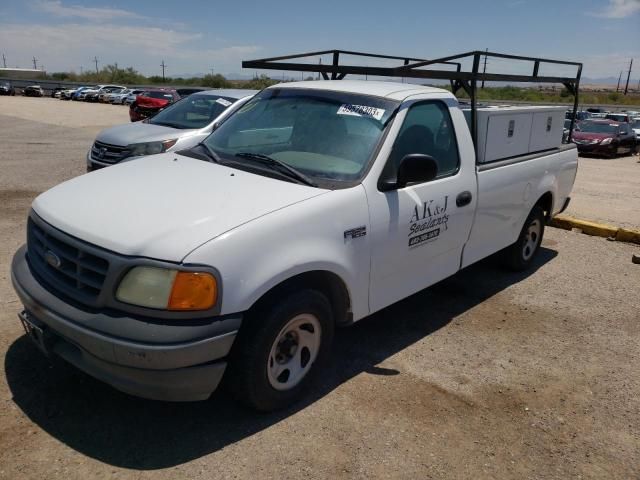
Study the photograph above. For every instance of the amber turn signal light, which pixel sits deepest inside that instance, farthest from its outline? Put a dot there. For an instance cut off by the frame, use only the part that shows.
(193, 291)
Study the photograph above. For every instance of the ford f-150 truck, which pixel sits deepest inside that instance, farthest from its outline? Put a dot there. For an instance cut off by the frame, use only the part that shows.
(314, 205)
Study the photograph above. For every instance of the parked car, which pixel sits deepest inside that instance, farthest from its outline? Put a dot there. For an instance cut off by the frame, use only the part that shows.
(129, 99)
(91, 95)
(179, 126)
(605, 137)
(635, 125)
(80, 92)
(33, 91)
(619, 117)
(185, 92)
(7, 89)
(313, 206)
(581, 115)
(118, 96)
(104, 95)
(57, 91)
(150, 102)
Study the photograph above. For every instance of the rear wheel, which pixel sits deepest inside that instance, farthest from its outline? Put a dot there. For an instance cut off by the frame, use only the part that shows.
(520, 255)
(280, 349)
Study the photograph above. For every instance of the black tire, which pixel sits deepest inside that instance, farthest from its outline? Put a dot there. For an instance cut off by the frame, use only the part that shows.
(521, 254)
(248, 371)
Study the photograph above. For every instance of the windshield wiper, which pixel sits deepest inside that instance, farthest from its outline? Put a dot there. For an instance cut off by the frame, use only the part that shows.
(213, 156)
(284, 168)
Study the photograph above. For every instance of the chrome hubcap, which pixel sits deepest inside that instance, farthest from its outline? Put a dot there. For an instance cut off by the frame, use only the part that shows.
(294, 351)
(532, 239)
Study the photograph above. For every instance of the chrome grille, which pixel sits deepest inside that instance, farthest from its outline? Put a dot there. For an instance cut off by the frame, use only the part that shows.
(65, 265)
(105, 153)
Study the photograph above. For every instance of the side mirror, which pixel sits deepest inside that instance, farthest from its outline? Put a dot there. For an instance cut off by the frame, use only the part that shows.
(413, 168)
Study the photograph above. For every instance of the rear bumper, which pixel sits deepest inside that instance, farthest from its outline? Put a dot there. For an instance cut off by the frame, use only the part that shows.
(157, 368)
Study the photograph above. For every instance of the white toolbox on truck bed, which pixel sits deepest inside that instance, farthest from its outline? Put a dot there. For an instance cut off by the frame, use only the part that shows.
(505, 132)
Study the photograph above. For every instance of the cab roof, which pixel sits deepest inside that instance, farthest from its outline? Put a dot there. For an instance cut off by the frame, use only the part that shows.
(391, 90)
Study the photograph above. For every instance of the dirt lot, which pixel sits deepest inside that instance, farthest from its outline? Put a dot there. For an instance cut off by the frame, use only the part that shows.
(486, 375)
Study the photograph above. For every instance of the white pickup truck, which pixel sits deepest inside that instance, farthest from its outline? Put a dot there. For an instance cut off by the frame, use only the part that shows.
(313, 206)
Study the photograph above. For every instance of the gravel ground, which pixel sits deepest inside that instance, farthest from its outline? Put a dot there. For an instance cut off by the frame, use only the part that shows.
(608, 191)
(486, 375)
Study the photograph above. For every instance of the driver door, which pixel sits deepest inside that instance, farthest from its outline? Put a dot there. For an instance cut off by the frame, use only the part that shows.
(418, 232)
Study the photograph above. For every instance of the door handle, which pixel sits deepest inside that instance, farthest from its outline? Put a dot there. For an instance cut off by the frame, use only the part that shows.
(463, 199)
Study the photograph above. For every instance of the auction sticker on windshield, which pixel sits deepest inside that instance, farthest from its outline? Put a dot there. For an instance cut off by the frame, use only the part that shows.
(223, 101)
(361, 111)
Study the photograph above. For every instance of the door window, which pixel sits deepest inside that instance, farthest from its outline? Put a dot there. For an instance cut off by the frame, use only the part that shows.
(427, 129)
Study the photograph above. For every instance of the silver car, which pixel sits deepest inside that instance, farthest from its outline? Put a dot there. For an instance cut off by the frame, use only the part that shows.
(179, 126)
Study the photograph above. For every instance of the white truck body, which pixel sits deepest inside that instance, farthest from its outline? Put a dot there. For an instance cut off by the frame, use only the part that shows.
(258, 232)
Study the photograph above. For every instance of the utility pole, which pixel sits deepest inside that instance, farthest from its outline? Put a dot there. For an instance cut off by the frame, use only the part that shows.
(163, 65)
(211, 70)
(626, 87)
(484, 69)
(35, 63)
(619, 78)
(80, 69)
(4, 61)
(95, 60)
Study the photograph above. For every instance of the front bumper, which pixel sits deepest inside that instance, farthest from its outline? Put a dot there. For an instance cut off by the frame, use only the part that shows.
(158, 367)
(597, 149)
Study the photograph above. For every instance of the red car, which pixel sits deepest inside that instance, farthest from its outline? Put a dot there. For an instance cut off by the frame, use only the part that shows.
(604, 137)
(150, 102)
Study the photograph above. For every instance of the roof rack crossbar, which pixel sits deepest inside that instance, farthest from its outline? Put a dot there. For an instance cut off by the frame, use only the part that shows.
(413, 68)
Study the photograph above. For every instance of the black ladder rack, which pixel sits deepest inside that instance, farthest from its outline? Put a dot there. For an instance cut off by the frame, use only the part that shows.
(416, 68)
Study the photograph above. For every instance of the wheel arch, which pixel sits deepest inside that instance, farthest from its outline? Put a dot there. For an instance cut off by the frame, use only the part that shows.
(328, 283)
(546, 203)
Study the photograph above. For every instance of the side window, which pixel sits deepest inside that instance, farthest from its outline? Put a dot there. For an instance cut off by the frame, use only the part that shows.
(427, 129)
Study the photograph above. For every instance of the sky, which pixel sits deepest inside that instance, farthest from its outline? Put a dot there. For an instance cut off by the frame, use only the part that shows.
(203, 35)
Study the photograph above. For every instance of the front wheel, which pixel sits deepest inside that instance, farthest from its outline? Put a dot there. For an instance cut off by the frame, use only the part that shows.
(280, 349)
(520, 255)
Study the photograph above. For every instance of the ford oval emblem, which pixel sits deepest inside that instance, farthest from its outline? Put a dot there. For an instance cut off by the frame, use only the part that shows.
(52, 259)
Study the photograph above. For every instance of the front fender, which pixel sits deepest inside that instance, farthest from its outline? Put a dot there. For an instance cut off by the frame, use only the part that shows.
(308, 236)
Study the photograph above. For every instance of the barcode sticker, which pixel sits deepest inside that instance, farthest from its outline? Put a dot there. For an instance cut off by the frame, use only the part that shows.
(361, 111)
(223, 101)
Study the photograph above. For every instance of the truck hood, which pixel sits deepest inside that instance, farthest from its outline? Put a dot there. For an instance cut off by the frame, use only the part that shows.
(163, 206)
(138, 132)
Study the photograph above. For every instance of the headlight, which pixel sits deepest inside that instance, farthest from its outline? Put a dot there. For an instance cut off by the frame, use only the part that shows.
(150, 148)
(168, 289)
(606, 141)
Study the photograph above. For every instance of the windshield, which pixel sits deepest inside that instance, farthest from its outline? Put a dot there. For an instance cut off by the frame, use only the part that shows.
(635, 124)
(195, 111)
(593, 127)
(328, 136)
